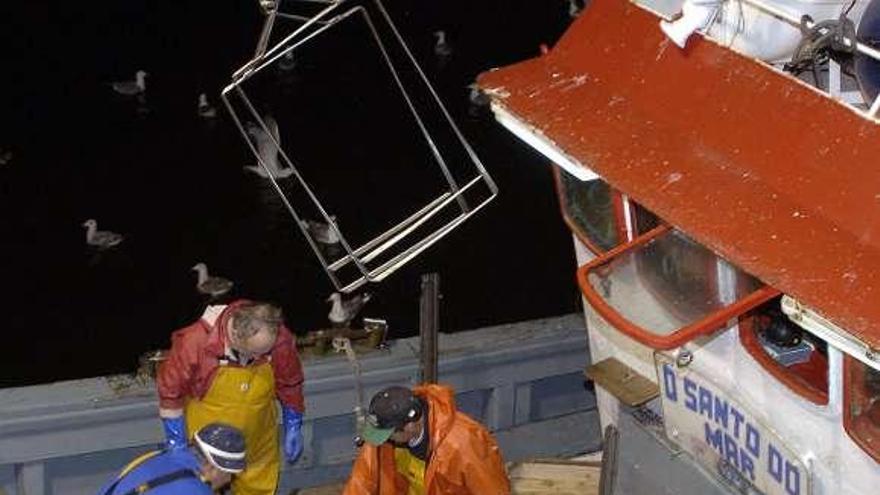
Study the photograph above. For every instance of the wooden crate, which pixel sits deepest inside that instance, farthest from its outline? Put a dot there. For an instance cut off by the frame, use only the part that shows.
(538, 477)
(555, 477)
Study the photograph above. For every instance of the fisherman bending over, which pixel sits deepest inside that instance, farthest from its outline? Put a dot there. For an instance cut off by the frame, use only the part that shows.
(203, 467)
(419, 444)
(230, 366)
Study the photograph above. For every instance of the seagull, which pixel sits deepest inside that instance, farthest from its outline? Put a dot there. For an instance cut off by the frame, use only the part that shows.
(288, 61)
(479, 100)
(268, 6)
(322, 232)
(101, 239)
(132, 88)
(5, 156)
(208, 285)
(329, 241)
(441, 47)
(206, 110)
(343, 311)
(267, 150)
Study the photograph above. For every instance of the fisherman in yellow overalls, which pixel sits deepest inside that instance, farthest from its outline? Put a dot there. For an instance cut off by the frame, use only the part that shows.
(230, 366)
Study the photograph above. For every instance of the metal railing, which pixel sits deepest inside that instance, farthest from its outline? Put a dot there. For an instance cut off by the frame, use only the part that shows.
(383, 254)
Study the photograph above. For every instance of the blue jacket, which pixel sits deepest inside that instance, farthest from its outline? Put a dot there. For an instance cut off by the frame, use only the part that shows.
(181, 466)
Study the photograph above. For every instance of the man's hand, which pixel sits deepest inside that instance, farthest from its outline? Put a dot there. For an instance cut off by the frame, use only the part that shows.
(293, 439)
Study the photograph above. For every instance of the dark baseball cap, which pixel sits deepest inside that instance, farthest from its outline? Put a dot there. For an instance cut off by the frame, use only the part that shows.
(390, 409)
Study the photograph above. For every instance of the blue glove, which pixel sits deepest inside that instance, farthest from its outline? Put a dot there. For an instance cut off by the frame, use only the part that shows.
(175, 433)
(293, 439)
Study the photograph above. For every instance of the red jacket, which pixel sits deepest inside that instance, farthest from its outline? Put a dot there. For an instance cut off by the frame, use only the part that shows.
(194, 358)
(463, 457)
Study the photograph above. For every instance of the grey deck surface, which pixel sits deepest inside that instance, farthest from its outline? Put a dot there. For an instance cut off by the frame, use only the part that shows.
(646, 466)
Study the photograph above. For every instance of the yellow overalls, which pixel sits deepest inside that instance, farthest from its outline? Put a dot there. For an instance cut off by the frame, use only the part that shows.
(412, 468)
(244, 397)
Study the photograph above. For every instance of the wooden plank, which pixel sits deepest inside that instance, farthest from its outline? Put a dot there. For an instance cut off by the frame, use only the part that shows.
(591, 457)
(554, 487)
(623, 382)
(562, 477)
(554, 471)
(540, 477)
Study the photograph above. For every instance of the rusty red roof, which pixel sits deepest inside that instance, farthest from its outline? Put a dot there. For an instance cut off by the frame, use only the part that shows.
(771, 174)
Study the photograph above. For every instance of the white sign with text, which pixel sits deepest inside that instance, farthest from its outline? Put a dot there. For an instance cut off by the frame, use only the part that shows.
(724, 436)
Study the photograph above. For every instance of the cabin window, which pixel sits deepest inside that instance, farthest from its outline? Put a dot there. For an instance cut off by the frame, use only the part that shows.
(643, 219)
(793, 356)
(861, 412)
(592, 209)
(663, 289)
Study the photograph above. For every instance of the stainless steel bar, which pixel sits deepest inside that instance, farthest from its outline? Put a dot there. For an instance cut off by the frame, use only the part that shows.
(296, 17)
(427, 216)
(369, 245)
(434, 150)
(492, 186)
(390, 266)
(388, 239)
(266, 32)
(250, 67)
(276, 51)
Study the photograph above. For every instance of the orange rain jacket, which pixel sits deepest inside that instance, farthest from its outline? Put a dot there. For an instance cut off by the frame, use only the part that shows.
(463, 459)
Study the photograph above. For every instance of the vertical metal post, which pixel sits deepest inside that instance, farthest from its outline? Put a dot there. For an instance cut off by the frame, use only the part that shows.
(609, 461)
(429, 322)
(30, 478)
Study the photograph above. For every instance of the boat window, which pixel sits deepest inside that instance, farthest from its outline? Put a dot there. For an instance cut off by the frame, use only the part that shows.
(793, 356)
(592, 209)
(663, 289)
(643, 219)
(861, 416)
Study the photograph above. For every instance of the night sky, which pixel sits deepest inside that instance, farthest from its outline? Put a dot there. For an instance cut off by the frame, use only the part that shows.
(173, 183)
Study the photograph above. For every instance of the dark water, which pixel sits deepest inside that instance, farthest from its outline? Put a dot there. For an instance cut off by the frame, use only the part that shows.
(172, 183)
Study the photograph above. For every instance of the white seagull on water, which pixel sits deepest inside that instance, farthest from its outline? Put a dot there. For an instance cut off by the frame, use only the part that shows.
(322, 232)
(206, 110)
(132, 88)
(267, 150)
(101, 239)
(441, 47)
(344, 310)
(208, 285)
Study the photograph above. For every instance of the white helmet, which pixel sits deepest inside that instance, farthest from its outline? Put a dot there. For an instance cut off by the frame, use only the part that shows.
(223, 446)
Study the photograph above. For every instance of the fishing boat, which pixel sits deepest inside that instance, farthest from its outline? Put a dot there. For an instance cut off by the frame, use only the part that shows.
(523, 380)
(716, 164)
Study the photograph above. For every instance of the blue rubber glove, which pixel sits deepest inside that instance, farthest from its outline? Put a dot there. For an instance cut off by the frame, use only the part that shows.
(175, 433)
(293, 439)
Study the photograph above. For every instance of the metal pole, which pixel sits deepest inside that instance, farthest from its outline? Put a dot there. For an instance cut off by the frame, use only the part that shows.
(429, 322)
(609, 461)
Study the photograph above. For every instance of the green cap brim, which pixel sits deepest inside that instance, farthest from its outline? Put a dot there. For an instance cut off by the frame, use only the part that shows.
(377, 436)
